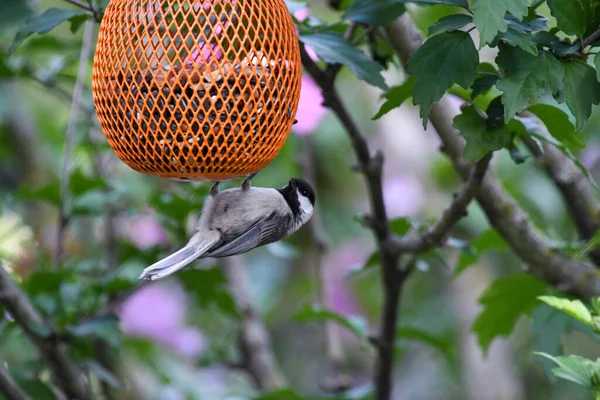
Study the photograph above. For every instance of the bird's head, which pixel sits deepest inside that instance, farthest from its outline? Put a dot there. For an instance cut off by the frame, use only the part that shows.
(301, 198)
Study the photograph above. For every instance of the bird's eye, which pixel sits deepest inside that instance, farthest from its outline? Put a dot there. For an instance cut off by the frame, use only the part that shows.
(304, 192)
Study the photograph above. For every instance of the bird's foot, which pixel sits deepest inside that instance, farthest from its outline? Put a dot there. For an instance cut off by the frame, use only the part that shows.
(215, 189)
(247, 181)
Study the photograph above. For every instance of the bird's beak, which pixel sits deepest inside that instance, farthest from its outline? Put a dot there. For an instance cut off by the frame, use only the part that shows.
(292, 184)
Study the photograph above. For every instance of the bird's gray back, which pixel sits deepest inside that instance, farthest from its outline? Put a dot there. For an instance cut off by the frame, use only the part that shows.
(233, 207)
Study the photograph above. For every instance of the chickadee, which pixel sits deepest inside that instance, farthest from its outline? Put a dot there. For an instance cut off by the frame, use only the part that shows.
(238, 220)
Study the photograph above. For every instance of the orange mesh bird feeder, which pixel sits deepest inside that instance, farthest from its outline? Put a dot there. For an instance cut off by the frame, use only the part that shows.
(196, 90)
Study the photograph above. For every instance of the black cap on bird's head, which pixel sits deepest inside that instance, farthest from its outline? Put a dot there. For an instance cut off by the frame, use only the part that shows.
(291, 192)
(303, 188)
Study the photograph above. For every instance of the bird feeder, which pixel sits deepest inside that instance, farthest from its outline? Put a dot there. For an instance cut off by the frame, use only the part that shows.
(196, 90)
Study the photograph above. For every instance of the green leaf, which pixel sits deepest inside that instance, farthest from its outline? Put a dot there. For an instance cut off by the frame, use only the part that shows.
(574, 308)
(489, 240)
(372, 261)
(581, 89)
(442, 343)
(573, 16)
(395, 97)
(400, 226)
(558, 124)
(483, 84)
(45, 22)
(13, 13)
(105, 328)
(574, 368)
(531, 23)
(209, 287)
(49, 193)
(597, 65)
(450, 23)
(504, 302)
(79, 183)
(480, 138)
(444, 59)
(527, 78)
(488, 16)
(518, 38)
(333, 48)
(549, 326)
(374, 12)
(47, 281)
(560, 48)
(320, 314)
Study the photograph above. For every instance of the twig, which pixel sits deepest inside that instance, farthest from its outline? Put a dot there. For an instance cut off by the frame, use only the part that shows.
(573, 277)
(9, 388)
(88, 7)
(392, 276)
(63, 218)
(54, 352)
(588, 40)
(574, 187)
(339, 382)
(255, 344)
(435, 235)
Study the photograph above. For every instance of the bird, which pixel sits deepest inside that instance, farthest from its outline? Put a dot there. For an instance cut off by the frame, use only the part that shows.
(237, 220)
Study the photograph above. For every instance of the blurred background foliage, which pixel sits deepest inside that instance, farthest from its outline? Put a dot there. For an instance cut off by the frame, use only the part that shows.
(175, 339)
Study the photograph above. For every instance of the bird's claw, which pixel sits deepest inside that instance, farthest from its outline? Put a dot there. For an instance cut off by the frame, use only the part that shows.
(214, 189)
(247, 181)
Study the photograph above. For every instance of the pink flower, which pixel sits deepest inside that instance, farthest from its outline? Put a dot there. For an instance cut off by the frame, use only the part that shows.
(143, 231)
(336, 266)
(403, 196)
(157, 312)
(310, 108)
(204, 53)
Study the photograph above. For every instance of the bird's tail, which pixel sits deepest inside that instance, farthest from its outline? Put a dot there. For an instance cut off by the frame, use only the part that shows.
(178, 260)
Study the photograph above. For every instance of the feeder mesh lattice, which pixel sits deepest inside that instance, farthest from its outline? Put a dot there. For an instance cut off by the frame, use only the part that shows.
(201, 90)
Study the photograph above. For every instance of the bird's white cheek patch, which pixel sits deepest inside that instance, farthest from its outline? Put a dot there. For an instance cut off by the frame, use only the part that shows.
(305, 205)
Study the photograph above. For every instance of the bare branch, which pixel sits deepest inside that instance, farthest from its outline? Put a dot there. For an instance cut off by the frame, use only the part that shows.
(588, 40)
(574, 187)
(393, 277)
(503, 213)
(255, 343)
(54, 352)
(457, 210)
(9, 388)
(63, 218)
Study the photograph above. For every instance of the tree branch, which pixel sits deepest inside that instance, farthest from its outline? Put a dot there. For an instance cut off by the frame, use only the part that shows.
(255, 344)
(9, 388)
(392, 277)
(503, 213)
(574, 187)
(588, 40)
(63, 218)
(436, 234)
(88, 7)
(54, 352)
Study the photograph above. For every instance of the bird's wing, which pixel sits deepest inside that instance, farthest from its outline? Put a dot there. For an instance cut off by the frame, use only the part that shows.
(264, 229)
